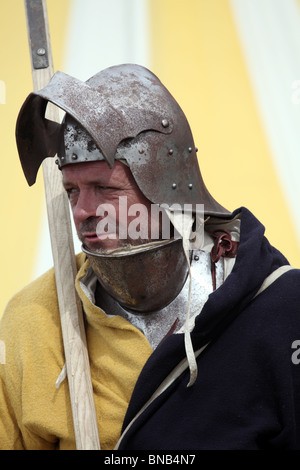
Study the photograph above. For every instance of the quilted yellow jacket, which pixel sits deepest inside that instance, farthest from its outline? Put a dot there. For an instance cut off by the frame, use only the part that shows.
(34, 414)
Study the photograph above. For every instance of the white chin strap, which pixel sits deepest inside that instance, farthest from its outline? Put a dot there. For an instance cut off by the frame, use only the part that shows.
(183, 224)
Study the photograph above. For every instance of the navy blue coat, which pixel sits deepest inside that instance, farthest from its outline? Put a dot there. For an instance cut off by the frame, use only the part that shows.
(247, 393)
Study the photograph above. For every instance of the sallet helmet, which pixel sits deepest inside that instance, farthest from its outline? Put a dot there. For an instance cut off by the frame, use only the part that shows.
(121, 104)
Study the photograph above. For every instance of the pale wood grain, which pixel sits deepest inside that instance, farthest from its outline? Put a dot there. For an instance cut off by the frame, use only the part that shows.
(74, 338)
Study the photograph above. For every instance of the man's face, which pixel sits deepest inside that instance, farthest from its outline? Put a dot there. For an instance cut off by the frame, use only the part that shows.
(102, 202)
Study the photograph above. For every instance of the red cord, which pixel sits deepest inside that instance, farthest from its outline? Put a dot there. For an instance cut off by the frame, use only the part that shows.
(223, 246)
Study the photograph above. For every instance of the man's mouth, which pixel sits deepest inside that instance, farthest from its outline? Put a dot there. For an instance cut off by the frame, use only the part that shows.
(90, 236)
(93, 237)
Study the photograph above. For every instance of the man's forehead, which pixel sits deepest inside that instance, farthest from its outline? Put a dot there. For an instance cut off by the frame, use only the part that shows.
(96, 170)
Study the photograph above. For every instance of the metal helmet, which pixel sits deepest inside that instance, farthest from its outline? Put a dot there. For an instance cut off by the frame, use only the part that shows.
(128, 114)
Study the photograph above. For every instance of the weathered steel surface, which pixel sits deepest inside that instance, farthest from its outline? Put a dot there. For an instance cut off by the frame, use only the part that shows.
(37, 34)
(123, 275)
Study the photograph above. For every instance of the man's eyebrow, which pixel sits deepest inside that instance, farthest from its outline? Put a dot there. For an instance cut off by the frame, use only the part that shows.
(67, 184)
(98, 182)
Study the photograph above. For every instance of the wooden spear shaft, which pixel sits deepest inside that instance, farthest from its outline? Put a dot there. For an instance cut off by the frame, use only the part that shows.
(73, 331)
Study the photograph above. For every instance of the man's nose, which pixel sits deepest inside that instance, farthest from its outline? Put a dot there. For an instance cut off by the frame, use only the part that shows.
(85, 207)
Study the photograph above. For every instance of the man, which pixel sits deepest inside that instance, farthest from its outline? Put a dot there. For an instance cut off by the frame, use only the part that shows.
(191, 316)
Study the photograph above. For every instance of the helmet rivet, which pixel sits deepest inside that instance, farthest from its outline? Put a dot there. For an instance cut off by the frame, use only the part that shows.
(196, 258)
(41, 51)
(190, 186)
(165, 123)
(171, 152)
(196, 149)
(174, 185)
(74, 156)
(190, 149)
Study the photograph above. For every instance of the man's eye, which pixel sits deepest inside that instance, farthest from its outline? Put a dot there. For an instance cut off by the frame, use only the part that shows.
(71, 191)
(108, 188)
(113, 188)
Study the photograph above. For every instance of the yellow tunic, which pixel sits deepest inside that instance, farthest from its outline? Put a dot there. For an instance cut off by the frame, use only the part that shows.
(33, 413)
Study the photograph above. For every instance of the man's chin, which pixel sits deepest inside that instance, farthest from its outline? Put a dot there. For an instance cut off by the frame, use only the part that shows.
(101, 245)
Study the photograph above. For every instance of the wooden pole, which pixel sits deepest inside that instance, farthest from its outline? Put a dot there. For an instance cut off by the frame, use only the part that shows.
(73, 331)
